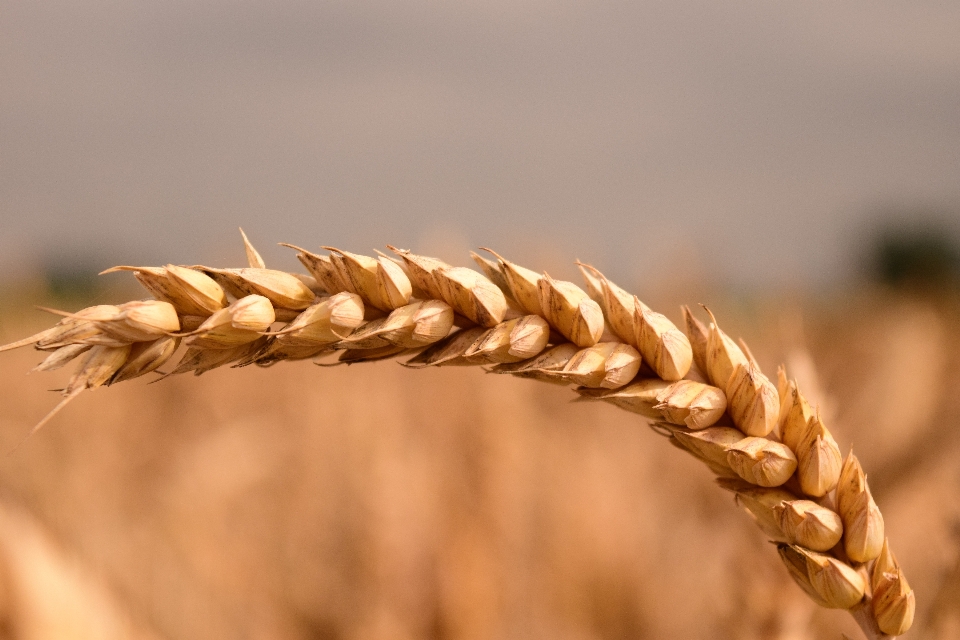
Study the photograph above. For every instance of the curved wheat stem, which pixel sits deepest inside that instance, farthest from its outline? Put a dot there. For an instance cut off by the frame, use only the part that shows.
(697, 387)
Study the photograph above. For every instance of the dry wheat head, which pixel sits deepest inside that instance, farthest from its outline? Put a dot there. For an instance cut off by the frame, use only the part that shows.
(697, 386)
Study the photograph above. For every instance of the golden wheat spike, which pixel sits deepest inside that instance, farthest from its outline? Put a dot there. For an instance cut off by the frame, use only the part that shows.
(763, 441)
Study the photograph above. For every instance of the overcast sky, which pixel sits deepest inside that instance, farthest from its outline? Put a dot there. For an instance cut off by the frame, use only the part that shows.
(752, 140)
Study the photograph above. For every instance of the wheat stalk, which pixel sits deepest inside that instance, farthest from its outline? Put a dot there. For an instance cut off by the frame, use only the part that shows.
(698, 387)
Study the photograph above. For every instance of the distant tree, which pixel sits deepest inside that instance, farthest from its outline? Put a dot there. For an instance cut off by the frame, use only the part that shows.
(912, 254)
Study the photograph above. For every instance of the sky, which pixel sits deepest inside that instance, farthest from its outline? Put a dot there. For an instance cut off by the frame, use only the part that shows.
(756, 143)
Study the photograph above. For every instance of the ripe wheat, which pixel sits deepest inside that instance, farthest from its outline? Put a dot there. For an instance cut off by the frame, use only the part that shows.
(698, 387)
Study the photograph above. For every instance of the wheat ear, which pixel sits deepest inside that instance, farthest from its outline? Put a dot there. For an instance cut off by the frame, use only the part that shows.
(696, 386)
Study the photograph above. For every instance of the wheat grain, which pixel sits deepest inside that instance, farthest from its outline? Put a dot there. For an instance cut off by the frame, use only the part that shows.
(241, 322)
(803, 431)
(570, 311)
(520, 283)
(145, 357)
(807, 524)
(762, 462)
(685, 402)
(544, 367)
(862, 521)
(828, 581)
(606, 365)
(510, 341)
(762, 503)
(764, 441)
(894, 602)
(379, 281)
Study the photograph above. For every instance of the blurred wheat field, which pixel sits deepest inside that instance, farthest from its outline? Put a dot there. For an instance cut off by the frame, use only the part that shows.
(373, 502)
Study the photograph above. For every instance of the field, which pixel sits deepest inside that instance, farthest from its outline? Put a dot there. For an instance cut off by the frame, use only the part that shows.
(373, 502)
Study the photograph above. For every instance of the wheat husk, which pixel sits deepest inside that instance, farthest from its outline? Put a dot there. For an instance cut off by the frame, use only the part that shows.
(412, 326)
(762, 503)
(693, 404)
(762, 462)
(321, 267)
(116, 326)
(271, 351)
(191, 323)
(74, 330)
(546, 367)
(311, 283)
(752, 400)
(863, 530)
(723, 357)
(153, 279)
(421, 271)
(808, 524)
(803, 430)
(199, 360)
(81, 327)
(368, 336)
(472, 295)
(710, 444)
(239, 323)
(523, 285)
(829, 582)
(617, 305)
(621, 323)
(62, 356)
(592, 284)
(510, 341)
(191, 292)
(570, 311)
(795, 411)
(491, 269)
(324, 323)
(449, 351)
(197, 290)
(379, 281)
(356, 356)
(894, 602)
(640, 397)
(607, 365)
(418, 324)
(140, 321)
(284, 290)
(96, 368)
(698, 336)
(721, 470)
(664, 347)
(687, 403)
(146, 357)
(819, 460)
